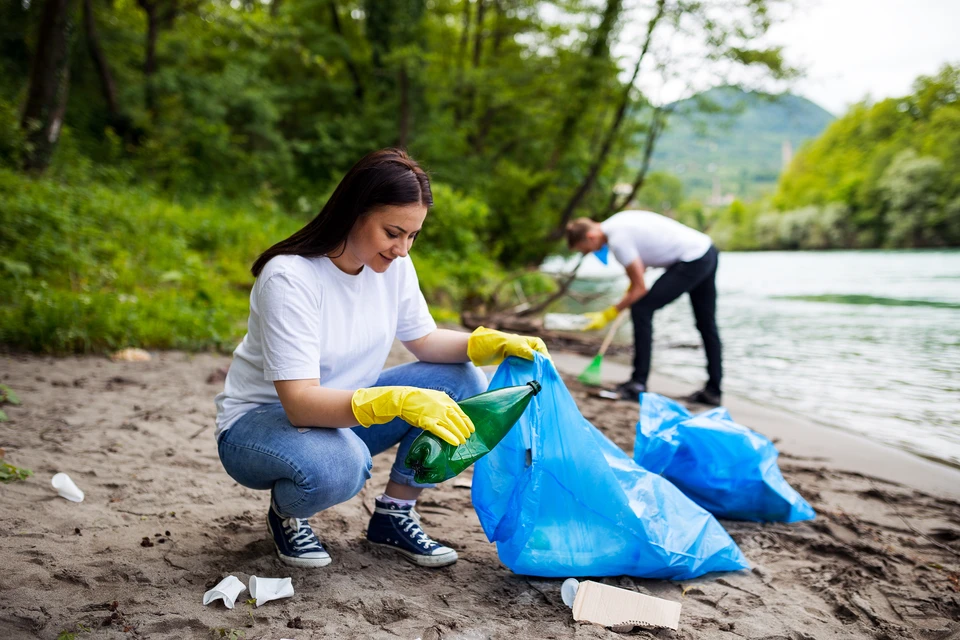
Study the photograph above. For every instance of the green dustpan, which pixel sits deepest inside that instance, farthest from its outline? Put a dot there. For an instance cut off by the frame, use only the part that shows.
(591, 375)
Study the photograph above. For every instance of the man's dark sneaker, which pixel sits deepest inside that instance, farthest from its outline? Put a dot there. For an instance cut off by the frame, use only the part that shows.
(631, 390)
(297, 544)
(398, 528)
(705, 396)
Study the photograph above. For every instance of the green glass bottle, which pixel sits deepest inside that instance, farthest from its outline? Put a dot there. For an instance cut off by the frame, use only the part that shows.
(493, 414)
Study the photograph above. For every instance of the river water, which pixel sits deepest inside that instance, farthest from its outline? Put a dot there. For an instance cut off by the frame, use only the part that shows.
(867, 341)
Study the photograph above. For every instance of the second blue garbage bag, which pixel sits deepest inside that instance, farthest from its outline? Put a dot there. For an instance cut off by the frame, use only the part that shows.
(728, 469)
(561, 500)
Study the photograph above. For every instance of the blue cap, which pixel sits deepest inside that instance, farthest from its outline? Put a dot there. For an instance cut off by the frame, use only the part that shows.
(603, 253)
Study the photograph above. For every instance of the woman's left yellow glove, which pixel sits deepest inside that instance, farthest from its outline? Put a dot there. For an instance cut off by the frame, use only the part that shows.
(487, 346)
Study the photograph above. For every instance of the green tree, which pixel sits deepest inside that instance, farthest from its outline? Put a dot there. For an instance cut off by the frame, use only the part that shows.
(911, 188)
(197, 110)
(893, 168)
(46, 103)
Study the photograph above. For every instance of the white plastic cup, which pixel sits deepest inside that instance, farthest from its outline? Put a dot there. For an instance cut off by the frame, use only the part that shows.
(568, 591)
(266, 589)
(66, 488)
(227, 590)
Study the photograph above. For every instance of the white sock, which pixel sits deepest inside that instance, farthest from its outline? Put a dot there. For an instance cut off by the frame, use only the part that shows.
(397, 501)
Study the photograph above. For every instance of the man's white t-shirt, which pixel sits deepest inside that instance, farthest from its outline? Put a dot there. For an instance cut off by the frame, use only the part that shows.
(657, 240)
(310, 320)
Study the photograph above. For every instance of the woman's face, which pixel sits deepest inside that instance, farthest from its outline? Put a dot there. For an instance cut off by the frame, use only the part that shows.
(382, 236)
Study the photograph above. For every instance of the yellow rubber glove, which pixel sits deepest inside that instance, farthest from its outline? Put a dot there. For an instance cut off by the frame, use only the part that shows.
(432, 411)
(600, 319)
(487, 346)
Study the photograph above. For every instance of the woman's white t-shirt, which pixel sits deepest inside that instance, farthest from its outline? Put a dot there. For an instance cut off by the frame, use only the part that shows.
(310, 320)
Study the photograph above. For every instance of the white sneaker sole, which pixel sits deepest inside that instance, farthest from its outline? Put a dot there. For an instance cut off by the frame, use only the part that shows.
(441, 560)
(304, 563)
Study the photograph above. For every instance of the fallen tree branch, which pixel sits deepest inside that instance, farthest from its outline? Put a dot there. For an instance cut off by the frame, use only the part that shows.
(559, 293)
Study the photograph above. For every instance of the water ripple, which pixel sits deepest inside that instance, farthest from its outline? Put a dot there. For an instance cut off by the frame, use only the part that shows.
(866, 341)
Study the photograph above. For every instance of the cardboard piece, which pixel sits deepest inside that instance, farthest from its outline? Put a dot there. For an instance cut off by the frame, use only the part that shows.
(614, 607)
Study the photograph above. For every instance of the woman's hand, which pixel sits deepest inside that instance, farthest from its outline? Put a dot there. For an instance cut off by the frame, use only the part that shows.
(488, 347)
(432, 411)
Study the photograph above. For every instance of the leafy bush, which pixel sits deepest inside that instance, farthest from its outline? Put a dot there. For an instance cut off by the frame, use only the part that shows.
(452, 262)
(11, 135)
(88, 268)
(805, 228)
(912, 188)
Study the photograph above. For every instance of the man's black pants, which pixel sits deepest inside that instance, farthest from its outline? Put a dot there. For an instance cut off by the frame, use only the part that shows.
(699, 279)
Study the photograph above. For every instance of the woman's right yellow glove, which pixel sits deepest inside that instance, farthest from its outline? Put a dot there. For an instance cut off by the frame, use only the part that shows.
(432, 411)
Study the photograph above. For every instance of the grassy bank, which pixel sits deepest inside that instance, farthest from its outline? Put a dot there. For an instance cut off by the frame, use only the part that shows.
(87, 267)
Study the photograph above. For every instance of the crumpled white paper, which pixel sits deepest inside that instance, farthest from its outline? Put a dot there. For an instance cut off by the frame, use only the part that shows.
(267, 589)
(227, 590)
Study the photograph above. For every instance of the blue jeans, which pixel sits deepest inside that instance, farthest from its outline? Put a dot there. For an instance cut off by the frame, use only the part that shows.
(309, 470)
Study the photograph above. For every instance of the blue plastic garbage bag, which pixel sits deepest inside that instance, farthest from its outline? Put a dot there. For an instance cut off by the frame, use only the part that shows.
(726, 468)
(562, 500)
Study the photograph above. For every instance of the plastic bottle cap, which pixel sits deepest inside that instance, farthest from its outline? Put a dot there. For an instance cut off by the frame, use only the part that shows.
(568, 591)
(535, 386)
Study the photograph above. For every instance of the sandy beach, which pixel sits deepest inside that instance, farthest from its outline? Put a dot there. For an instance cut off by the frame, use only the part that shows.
(162, 523)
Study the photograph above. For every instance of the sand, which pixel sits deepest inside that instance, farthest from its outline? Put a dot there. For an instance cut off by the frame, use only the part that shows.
(162, 523)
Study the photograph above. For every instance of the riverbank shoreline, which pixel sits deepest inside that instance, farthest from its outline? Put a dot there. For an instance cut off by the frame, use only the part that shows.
(162, 523)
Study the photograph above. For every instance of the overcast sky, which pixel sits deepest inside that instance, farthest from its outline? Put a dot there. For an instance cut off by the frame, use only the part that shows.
(848, 49)
(852, 48)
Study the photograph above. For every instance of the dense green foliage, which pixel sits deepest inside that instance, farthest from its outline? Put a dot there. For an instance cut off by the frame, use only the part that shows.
(736, 137)
(92, 268)
(883, 175)
(95, 267)
(198, 132)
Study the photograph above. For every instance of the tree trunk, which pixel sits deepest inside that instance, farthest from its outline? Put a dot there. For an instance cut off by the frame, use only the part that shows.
(498, 28)
(657, 122)
(160, 15)
(107, 84)
(612, 132)
(464, 36)
(486, 120)
(470, 92)
(150, 59)
(357, 84)
(46, 101)
(584, 92)
(589, 80)
(459, 108)
(478, 34)
(403, 84)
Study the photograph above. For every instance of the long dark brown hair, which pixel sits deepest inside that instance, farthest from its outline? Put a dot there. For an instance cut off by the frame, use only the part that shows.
(388, 177)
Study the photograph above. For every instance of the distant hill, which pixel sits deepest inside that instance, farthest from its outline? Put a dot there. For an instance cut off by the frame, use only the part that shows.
(742, 144)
